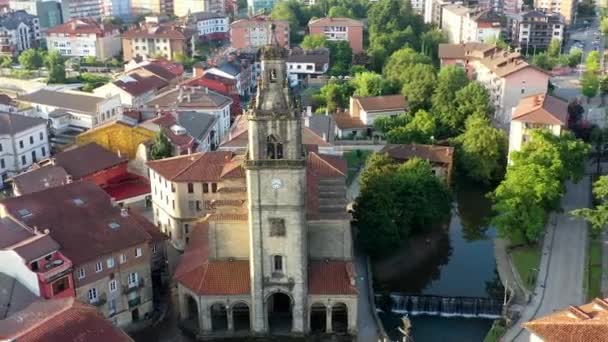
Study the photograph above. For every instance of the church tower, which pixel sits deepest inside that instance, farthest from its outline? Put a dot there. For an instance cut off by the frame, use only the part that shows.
(276, 182)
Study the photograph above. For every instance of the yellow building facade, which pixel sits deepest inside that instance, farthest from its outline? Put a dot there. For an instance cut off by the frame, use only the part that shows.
(117, 137)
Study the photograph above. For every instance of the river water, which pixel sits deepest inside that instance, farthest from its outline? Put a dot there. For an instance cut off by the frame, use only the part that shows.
(455, 261)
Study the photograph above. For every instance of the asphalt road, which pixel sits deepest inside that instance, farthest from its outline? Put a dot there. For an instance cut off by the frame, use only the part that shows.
(560, 281)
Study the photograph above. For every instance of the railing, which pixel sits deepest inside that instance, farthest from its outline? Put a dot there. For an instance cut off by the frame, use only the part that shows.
(101, 300)
(54, 268)
(133, 287)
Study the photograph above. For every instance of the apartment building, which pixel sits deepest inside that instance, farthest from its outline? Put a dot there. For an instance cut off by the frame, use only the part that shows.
(116, 8)
(304, 65)
(111, 258)
(196, 99)
(64, 109)
(567, 8)
(49, 13)
(85, 37)
(23, 141)
(463, 24)
(257, 32)
(339, 29)
(539, 111)
(19, 31)
(535, 29)
(184, 7)
(234, 69)
(151, 40)
(34, 258)
(184, 189)
(73, 9)
(139, 7)
(506, 75)
(210, 25)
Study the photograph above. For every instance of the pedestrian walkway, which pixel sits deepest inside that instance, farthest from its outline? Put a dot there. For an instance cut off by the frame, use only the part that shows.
(562, 265)
(505, 271)
(367, 330)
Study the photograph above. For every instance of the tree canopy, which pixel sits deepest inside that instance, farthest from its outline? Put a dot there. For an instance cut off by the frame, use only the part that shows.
(161, 148)
(340, 57)
(450, 79)
(598, 216)
(313, 41)
(368, 84)
(31, 59)
(56, 66)
(420, 129)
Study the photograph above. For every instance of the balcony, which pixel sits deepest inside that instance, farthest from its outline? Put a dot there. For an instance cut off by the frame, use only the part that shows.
(126, 289)
(54, 268)
(101, 300)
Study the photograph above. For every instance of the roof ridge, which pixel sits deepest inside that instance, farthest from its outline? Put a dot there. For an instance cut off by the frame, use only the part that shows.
(189, 165)
(328, 163)
(70, 303)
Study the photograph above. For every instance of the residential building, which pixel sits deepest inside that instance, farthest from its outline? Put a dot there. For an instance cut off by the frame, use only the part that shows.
(189, 132)
(85, 37)
(157, 40)
(139, 7)
(134, 90)
(255, 7)
(359, 120)
(49, 13)
(119, 137)
(111, 258)
(463, 25)
(440, 157)
(535, 29)
(211, 25)
(58, 320)
(23, 141)
(433, 10)
(196, 99)
(538, 111)
(567, 8)
(575, 323)
(185, 7)
(167, 71)
(273, 251)
(65, 109)
(506, 75)
(257, 32)
(337, 29)
(224, 85)
(7, 104)
(303, 65)
(18, 31)
(73, 9)
(35, 260)
(239, 70)
(116, 8)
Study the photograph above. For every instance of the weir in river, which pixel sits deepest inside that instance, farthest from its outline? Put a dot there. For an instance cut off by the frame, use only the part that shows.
(469, 307)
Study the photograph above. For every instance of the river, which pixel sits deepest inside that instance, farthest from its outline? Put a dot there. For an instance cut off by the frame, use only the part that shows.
(455, 261)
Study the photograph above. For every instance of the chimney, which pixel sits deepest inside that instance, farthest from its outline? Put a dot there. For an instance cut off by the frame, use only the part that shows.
(68, 179)
(124, 212)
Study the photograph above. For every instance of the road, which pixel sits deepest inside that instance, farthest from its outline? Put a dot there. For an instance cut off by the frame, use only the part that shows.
(560, 280)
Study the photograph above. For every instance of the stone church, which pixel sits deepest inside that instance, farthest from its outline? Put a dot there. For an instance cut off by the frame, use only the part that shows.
(268, 245)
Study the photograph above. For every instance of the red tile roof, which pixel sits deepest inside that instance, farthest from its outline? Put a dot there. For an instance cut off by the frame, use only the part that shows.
(542, 109)
(136, 84)
(86, 160)
(160, 31)
(320, 167)
(432, 153)
(205, 277)
(329, 21)
(83, 26)
(127, 186)
(382, 103)
(198, 167)
(78, 216)
(60, 320)
(40, 179)
(331, 277)
(583, 323)
(345, 121)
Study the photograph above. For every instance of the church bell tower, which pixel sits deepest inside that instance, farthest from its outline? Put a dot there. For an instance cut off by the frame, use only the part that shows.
(276, 183)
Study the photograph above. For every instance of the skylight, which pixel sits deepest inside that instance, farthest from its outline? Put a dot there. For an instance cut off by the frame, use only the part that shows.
(113, 225)
(25, 213)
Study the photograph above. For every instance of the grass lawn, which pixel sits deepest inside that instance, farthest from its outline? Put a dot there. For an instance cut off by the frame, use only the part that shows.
(497, 331)
(355, 161)
(527, 260)
(593, 275)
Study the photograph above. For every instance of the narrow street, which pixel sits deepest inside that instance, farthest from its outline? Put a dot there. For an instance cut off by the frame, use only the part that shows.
(560, 279)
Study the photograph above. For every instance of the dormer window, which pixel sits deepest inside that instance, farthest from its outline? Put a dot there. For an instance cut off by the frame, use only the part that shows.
(274, 149)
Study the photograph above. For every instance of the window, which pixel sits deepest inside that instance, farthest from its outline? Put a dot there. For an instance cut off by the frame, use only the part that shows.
(23, 160)
(0, 147)
(277, 263)
(154, 248)
(186, 226)
(110, 262)
(214, 187)
(81, 273)
(60, 285)
(274, 149)
(112, 285)
(112, 306)
(172, 187)
(34, 156)
(41, 136)
(198, 205)
(137, 252)
(31, 139)
(2, 163)
(173, 204)
(98, 267)
(43, 150)
(205, 188)
(93, 295)
(132, 279)
(20, 143)
(34, 266)
(123, 258)
(277, 227)
(190, 188)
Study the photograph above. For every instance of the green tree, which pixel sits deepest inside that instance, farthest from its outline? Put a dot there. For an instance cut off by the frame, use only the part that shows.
(313, 41)
(481, 150)
(603, 88)
(450, 79)
(31, 59)
(592, 63)
(340, 57)
(396, 201)
(161, 148)
(472, 99)
(430, 41)
(543, 61)
(590, 84)
(598, 216)
(604, 25)
(6, 61)
(55, 63)
(90, 60)
(286, 10)
(421, 129)
(575, 57)
(399, 64)
(384, 124)
(418, 90)
(498, 41)
(334, 95)
(555, 47)
(340, 12)
(368, 84)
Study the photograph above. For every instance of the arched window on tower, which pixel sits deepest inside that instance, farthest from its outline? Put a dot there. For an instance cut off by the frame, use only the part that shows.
(273, 75)
(274, 148)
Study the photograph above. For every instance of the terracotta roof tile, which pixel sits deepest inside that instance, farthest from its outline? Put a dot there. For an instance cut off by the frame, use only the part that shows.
(40, 179)
(84, 26)
(328, 21)
(331, 278)
(136, 84)
(345, 121)
(433, 153)
(160, 31)
(198, 167)
(543, 109)
(322, 167)
(97, 159)
(382, 103)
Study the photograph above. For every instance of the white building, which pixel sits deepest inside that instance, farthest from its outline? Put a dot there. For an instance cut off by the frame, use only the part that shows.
(184, 7)
(536, 112)
(66, 109)
(363, 111)
(535, 29)
(18, 31)
(85, 37)
(23, 141)
(463, 25)
(302, 65)
(134, 90)
(116, 8)
(211, 25)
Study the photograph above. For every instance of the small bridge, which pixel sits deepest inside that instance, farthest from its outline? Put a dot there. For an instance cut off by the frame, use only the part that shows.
(472, 307)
